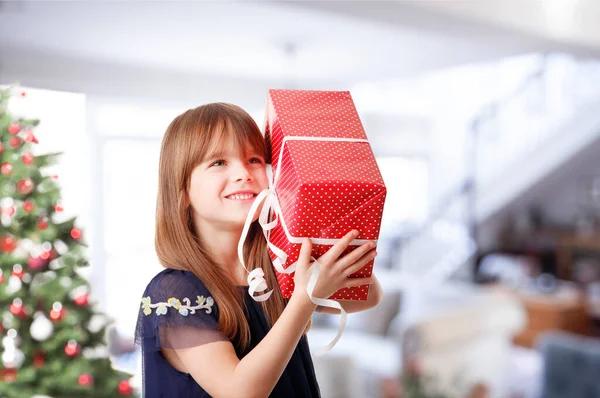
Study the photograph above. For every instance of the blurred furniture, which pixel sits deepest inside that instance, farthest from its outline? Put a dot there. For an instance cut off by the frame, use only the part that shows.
(571, 366)
(556, 311)
(455, 331)
(466, 344)
(569, 247)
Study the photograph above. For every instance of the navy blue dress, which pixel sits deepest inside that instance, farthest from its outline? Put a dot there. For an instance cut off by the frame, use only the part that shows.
(177, 312)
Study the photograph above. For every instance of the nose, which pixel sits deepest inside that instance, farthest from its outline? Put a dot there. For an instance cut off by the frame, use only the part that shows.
(242, 174)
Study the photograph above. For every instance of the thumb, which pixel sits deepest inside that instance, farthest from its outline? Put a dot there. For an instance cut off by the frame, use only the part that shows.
(305, 252)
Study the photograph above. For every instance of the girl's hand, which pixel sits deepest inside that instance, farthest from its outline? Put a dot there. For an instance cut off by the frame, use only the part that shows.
(334, 270)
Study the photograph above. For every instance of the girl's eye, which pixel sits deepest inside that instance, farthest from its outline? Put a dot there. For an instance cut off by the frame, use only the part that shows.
(217, 163)
(256, 160)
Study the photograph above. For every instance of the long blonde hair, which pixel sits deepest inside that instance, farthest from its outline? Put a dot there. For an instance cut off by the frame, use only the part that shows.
(188, 139)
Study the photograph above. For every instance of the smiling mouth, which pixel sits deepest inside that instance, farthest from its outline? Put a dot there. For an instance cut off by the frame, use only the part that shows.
(241, 196)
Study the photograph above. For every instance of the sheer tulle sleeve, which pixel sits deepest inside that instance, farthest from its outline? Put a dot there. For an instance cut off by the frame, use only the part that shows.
(177, 312)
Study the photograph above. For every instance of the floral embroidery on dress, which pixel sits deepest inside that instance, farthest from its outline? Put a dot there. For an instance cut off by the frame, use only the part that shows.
(184, 309)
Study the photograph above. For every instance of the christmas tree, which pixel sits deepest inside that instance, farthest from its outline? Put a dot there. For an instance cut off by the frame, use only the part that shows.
(53, 341)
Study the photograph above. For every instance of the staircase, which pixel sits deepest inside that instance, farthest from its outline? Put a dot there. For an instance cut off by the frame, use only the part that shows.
(513, 143)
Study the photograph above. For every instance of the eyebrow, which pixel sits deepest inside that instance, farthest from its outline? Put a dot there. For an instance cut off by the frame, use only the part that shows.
(222, 154)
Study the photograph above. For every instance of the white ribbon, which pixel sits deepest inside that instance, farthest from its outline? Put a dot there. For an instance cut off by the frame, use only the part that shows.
(314, 276)
(256, 279)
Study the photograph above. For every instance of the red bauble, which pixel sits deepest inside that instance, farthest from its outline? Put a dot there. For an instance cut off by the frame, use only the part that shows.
(8, 211)
(125, 388)
(43, 224)
(76, 233)
(72, 348)
(45, 255)
(8, 375)
(57, 315)
(81, 300)
(14, 128)
(6, 169)
(29, 137)
(85, 379)
(58, 208)
(52, 254)
(17, 270)
(28, 206)
(17, 308)
(36, 263)
(8, 244)
(39, 360)
(25, 186)
(28, 158)
(15, 142)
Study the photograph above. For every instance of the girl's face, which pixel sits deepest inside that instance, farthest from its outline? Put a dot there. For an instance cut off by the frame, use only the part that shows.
(223, 187)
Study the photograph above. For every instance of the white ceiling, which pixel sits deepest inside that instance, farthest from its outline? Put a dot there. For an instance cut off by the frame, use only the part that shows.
(342, 41)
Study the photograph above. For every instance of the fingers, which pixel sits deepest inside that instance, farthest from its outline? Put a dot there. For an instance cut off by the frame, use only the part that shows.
(305, 252)
(353, 282)
(336, 250)
(364, 260)
(355, 255)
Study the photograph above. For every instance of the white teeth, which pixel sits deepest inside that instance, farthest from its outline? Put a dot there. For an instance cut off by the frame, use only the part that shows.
(245, 196)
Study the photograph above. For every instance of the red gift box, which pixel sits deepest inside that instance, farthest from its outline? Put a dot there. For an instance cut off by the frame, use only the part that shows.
(326, 179)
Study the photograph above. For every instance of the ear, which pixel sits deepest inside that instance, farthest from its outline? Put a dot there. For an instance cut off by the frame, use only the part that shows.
(186, 200)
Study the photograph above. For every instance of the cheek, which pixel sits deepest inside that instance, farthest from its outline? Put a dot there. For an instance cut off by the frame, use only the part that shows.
(262, 179)
(204, 190)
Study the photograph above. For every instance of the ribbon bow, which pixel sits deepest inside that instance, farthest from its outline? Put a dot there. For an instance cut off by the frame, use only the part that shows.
(256, 277)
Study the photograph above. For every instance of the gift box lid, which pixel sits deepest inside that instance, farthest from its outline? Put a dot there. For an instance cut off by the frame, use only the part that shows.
(324, 188)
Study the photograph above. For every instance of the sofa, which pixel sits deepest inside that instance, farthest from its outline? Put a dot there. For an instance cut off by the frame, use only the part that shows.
(458, 333)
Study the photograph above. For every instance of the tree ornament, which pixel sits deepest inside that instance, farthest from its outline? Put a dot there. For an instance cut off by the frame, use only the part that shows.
(58, 208)
(17, 270)
(72, 348)
(8, 211)
(25, 186)
(76, 233)
(8, 375)
(6, 169)
(43, 223)
(57, 312)
(28, 206)
(41, 327)
(26, 278)
(14, 128)
(85, 379)
(12, 358)
(18, 309)
(82, 300)
(28, 158)
(125, 388)
(15, 142)
(29, 137)
(36, 263)
(14, 285)
(39, 360)
(8, 244)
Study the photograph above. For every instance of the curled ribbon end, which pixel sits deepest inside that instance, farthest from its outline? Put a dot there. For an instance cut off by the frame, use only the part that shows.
(262, 297)
(326, 303)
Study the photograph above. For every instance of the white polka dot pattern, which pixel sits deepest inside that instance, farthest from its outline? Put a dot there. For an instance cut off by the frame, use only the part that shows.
(325, 188)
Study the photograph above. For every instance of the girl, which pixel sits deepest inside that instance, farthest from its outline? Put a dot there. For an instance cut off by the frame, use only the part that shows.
(200, 332)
